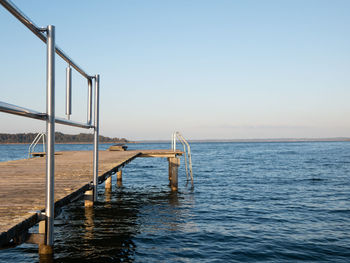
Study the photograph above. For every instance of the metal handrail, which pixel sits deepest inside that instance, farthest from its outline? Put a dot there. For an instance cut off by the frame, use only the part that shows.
(47, 35)
(17, 110)
(40, 135)
(185, 155)
(188, 157)
(16, 12)
(39, 32)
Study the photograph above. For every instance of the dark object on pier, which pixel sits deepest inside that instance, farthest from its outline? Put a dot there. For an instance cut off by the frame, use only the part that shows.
(118, 147)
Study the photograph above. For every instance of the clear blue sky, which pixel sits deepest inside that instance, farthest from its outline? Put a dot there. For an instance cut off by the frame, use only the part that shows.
(210, 69)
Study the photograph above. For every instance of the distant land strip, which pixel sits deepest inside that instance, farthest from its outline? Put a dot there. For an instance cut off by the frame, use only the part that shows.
(332, 139)
(59, 138)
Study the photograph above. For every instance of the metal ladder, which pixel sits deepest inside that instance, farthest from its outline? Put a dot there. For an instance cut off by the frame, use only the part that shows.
(187, 155)
(40, 135)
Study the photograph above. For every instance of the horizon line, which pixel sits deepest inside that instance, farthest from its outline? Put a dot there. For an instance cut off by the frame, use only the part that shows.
(291, 139)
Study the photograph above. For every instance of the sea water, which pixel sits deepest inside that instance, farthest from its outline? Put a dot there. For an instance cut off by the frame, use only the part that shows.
(252, 202)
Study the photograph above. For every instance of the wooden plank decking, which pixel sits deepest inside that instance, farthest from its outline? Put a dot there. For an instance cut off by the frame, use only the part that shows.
(22, 184)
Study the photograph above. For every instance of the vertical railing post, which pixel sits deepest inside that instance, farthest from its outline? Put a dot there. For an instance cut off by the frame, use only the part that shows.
(89, 114)
(68, 91)
(50, 150)
(96, 134)
(173, 144)
(172, 141)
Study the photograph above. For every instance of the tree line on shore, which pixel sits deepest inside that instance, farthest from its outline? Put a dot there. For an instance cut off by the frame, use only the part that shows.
(59, 138)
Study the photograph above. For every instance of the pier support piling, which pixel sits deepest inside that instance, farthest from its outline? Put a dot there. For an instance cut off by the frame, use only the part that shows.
(174, 163)
(119, 178)
(42, 227)
(43, 248)
(89, 198)
(108, 189)
(108, 184)
(169, 171)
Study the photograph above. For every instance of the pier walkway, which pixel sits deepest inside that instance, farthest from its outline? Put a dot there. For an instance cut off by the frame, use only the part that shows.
(22, 184)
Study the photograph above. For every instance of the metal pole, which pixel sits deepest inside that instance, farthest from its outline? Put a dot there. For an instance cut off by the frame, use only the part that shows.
(96, 133)
(174, 141)
(50, 131)
(89, 114)
(68, 91)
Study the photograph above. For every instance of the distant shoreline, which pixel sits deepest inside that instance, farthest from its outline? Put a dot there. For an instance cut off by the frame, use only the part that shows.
(81, 138)
(335, 139)
(61, 143)
(340, 139)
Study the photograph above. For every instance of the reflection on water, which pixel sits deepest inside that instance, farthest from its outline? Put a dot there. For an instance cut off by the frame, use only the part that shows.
(46, 258)
(120, 183)
(106, 233)
(88, 224)
(108, 195)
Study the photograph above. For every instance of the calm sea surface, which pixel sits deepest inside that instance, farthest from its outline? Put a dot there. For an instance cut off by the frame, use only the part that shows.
(252, 202)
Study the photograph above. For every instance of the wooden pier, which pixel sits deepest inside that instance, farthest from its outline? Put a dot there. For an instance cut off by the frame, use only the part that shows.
(34, 190)
(22, 186)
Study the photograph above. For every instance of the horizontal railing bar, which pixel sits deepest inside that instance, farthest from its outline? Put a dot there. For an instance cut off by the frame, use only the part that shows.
(17, 110)
(72, 63)
(73, 123)
(16, 12)
(13, 109)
